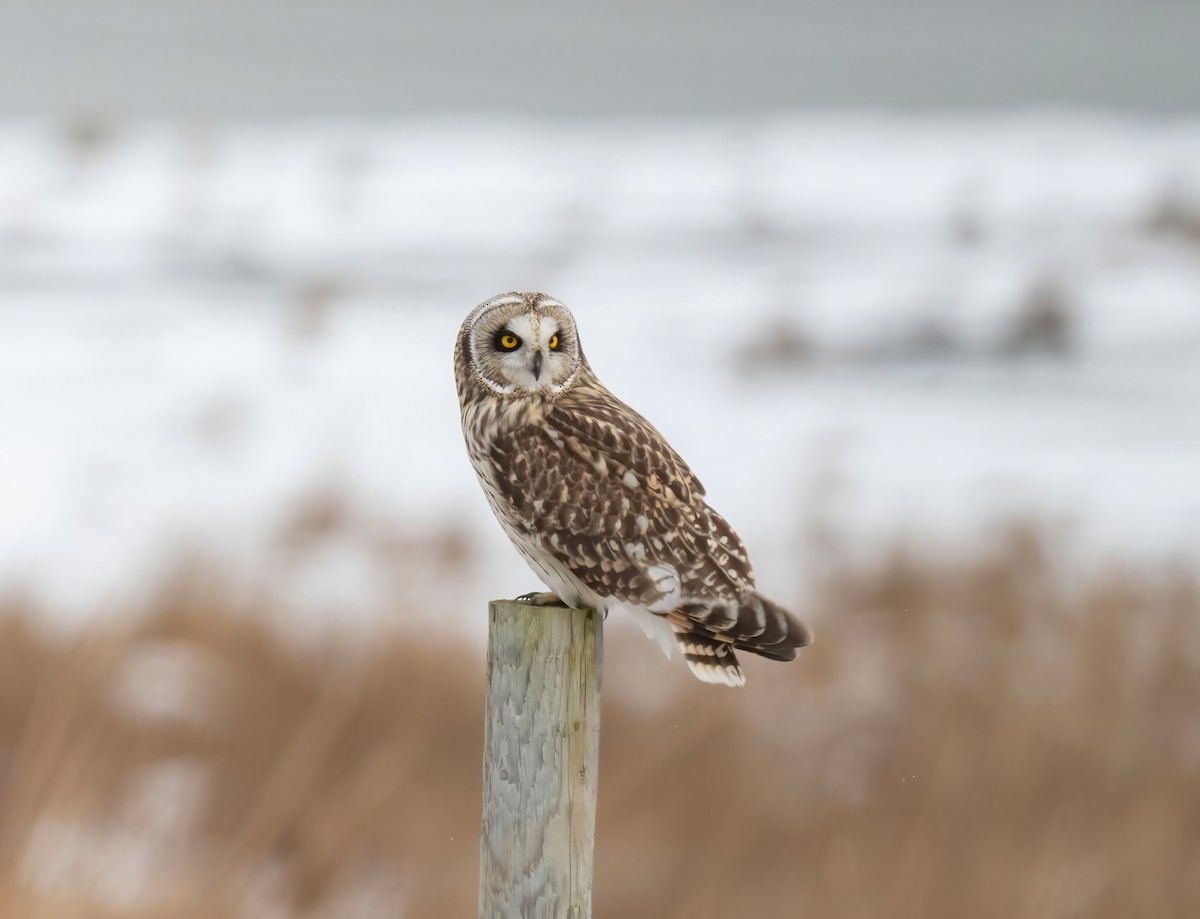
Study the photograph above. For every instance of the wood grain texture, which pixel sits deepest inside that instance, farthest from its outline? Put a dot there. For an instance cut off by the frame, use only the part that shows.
(540, 757)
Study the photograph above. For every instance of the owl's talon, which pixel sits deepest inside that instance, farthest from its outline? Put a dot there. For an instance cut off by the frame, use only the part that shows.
(541, 598)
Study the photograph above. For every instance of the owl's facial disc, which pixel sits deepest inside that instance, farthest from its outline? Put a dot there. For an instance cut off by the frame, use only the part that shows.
(525, 351)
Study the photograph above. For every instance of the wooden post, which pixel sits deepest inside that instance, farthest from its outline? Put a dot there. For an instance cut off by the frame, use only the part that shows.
(541, 745)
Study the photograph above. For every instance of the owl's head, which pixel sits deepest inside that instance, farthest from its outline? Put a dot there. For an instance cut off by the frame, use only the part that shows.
(521, 344)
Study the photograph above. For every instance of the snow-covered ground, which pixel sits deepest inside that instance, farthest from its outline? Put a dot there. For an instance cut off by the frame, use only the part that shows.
(893, 326)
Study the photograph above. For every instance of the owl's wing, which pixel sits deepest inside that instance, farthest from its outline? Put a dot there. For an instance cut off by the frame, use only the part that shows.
(600, 490)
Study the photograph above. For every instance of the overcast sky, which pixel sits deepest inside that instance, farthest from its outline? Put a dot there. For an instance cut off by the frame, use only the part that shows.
(285, 58)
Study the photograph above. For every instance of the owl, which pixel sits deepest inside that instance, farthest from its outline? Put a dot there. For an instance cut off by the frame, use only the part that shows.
(604, 511)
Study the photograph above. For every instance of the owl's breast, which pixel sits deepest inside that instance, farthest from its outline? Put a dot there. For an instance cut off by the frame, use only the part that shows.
(484, 423)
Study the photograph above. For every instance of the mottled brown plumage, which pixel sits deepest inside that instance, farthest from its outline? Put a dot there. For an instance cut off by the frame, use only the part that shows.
(602, 508)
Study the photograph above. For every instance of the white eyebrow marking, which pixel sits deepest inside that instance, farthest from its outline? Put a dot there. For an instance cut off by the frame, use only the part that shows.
(523, 327)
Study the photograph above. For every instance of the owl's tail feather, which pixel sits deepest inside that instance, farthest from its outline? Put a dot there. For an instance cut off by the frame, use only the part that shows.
(752, 623)
(709, 659)
(766, 628)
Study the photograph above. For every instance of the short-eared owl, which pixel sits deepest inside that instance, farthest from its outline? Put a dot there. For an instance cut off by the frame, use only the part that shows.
(593, 497)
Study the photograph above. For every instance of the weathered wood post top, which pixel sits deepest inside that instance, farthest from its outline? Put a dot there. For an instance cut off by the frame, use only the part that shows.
(540, 756)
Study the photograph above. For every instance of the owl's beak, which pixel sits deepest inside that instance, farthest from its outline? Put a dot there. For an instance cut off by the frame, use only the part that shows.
(537, 365)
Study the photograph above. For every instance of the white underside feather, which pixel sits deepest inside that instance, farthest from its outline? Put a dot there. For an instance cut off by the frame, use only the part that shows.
(654, 627)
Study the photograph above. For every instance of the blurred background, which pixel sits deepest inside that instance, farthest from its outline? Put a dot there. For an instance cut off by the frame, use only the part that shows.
(915, 288)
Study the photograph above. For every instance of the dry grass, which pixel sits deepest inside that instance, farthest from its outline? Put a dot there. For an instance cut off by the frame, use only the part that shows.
(987, 738)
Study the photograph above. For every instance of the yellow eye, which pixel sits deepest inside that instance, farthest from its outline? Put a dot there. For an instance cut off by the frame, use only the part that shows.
(508, 341)
(553, 342)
